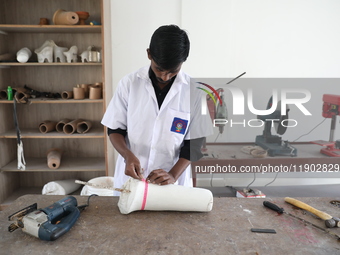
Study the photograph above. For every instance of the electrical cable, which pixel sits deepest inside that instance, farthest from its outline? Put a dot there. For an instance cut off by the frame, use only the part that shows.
(82, 207)
(251, 181)
(295, 141)
(217, 137)
(272, 180)
(310, 130)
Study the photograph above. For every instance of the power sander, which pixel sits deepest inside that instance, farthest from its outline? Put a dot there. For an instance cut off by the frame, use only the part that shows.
(48, 223)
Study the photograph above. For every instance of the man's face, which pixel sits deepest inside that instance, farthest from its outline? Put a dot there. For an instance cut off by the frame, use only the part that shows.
(163, 76)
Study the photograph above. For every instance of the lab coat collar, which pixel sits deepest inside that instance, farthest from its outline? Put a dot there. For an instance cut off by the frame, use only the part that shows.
(180, 81)
(143, 73)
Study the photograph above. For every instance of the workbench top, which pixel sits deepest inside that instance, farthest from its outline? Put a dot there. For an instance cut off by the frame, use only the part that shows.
(102, 229)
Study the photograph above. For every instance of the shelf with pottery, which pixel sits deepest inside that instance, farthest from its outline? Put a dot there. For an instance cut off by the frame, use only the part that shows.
(84, 154)
(34, 133)
(67, 165)
(49, 64)
(56, 101)
(13, 28)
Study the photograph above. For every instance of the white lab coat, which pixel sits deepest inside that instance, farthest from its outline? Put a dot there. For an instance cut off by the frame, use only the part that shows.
(155, 135)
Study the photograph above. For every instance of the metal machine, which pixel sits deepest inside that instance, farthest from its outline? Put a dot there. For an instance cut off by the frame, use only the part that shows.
(330, 109)
(48, 223)
(273, 144)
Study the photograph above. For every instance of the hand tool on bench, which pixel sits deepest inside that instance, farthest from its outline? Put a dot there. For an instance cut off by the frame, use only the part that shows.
(280, 210)
(50, 222)
(330, 221)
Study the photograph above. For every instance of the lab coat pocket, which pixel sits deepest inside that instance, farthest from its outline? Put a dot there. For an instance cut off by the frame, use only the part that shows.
(176, 125)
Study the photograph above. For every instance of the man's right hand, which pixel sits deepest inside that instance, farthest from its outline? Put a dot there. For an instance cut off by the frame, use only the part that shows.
(133, 167)
(132, 163)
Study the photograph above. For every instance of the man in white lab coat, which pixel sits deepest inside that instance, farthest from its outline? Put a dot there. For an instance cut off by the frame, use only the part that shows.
(155, 119)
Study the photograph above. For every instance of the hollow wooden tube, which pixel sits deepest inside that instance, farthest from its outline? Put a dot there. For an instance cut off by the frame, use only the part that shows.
(84, 126)
(60, 125)
(3, 94)
(71, 127)
(67, 94)
(21, 95)
(47, 126)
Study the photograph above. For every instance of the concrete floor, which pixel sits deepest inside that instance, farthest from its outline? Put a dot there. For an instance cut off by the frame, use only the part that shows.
(332, 190)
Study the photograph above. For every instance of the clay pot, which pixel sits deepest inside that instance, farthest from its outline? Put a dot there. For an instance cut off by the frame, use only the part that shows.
(62, 17)
(54, 158)
(78, 93)
(86, 89)
(43, 21)
(82, 17)
(95, 92)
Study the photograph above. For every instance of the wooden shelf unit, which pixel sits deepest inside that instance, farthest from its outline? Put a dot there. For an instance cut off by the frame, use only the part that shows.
(84, 155)
(50, 28)
(8, 64)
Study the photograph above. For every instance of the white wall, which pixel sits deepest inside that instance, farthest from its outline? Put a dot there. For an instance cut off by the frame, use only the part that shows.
(265, 38)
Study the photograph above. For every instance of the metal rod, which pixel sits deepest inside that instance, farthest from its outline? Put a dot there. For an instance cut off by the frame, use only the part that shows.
(236, 78)
(333, 124)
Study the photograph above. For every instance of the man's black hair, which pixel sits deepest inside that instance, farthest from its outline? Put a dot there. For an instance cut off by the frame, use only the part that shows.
(169, 46)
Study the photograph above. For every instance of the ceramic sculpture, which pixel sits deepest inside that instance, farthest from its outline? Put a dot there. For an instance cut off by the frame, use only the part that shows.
(23, 55)
(62, 17)
(95, 92)
(94, 56)
(82, 17)
(85, 55)
(43, 21)
(71, 55)
(59, 53)
(54, 158)
(78, 93)
(45, 52)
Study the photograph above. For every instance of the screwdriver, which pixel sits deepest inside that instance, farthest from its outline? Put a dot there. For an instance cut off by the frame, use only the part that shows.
(280, 210)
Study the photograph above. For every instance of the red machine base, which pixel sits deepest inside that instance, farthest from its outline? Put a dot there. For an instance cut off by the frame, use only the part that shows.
(330, 149)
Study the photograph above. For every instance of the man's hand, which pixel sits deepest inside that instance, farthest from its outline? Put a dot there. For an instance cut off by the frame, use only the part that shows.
(161, 177)
(133, 167)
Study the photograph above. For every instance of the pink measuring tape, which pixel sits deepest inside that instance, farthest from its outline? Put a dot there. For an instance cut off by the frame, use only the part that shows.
(146, 187)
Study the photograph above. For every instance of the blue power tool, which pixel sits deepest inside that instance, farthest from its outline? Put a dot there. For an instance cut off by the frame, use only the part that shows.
(48, 223)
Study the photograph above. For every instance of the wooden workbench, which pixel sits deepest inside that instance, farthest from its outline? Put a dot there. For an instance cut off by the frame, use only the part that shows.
(101, 229)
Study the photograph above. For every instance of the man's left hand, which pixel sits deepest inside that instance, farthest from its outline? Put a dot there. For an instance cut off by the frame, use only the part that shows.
(160, 177)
